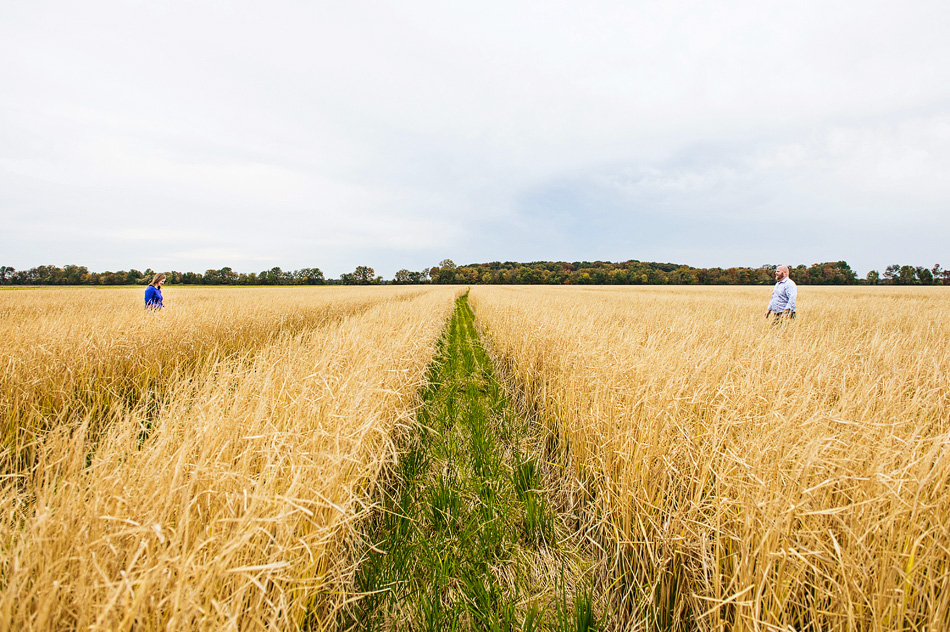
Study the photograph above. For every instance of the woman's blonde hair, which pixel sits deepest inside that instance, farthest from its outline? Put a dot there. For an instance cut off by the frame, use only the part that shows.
(158, 277)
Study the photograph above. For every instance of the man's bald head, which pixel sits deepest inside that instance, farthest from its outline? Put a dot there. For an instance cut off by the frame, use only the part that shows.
(781, 272)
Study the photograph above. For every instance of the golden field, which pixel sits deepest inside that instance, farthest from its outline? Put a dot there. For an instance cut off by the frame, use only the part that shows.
(204, 468)
(197, 468)
(741, 476)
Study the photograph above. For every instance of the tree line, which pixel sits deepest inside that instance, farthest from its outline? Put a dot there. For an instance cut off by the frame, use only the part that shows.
(634, 272)
(80, 275)
(631, 272)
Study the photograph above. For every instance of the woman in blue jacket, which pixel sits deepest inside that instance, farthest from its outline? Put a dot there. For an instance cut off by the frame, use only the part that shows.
(153, 293)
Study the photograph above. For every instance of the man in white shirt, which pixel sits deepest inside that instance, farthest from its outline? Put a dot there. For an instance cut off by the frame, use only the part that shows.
(782, 305)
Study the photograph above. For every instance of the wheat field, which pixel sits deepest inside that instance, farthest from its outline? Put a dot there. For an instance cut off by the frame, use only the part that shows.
(206, 467)
(197, 468)
(738, 475)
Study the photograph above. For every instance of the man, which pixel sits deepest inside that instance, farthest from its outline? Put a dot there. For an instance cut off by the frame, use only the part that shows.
(782, 305)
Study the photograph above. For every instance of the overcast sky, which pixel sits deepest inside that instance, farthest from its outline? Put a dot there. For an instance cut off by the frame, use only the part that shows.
(202, 134)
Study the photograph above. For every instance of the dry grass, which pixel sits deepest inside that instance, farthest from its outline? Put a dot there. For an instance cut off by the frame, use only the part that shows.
(744, 476)
(222, 502)
(77, 353)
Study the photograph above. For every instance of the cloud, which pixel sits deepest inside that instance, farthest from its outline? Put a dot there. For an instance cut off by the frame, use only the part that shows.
(209, 256)
(396, 134)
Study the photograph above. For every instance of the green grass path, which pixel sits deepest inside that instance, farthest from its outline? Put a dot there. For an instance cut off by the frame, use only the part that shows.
(464, 538)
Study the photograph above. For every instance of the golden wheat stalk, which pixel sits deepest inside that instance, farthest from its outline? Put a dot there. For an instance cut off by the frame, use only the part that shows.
(748, 477)
(225, 507)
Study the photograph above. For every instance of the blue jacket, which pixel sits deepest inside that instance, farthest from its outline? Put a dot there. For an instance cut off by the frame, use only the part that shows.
(153, 297)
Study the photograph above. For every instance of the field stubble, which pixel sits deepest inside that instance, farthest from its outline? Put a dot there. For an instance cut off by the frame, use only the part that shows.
(745, 476)
(222, 502)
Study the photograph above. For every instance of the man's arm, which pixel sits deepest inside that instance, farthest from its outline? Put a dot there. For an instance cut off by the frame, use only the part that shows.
(792, 293)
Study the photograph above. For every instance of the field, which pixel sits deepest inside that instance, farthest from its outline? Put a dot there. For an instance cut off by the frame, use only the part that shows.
(745, 476)
(197, 469)
(219, 465)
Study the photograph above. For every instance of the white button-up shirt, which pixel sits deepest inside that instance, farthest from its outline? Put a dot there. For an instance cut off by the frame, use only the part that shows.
(783, 296)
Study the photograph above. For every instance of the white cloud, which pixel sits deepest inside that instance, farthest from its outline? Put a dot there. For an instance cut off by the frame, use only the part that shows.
(892, 162)
(210, 256)
(403, 131)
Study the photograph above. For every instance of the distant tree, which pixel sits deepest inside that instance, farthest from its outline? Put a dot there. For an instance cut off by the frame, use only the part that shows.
(799, 274)
(309, 276)
(6, 274)
(937, 273)
(73, 275)
(419, 277)
(528, 276)
(211, 277)
(275, 276)
(364, 275)
(873, 277)
(925, 276)
(891, 273)
(402, 276)
(843, 274)
(907, 275)
(228, 276)
(444, 272)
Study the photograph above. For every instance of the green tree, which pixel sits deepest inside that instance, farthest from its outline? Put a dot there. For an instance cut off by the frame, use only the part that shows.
(873, 277)
(528, 276)
(907, 275)
(446, 275)
(891, 273)
(419, 277)
(309, 276)
(364, 275)
(228, 276)
(844, 274)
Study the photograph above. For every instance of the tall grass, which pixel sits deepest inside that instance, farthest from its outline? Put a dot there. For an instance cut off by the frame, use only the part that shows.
(78, 353)
(744, 476)
(463, 538)
(230, 512)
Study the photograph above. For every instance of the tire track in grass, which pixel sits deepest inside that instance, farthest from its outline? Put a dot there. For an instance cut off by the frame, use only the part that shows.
(464, 537)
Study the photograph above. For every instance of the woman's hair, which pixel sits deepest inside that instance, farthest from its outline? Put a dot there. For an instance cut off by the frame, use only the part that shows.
(158, 277)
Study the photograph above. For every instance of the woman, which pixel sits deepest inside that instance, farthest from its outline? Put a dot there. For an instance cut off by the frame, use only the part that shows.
(153, 293)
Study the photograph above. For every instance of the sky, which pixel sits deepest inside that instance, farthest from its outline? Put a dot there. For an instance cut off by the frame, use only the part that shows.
(204, 134)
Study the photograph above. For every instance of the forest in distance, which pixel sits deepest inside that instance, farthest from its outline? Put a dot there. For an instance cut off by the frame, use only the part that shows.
(631, 272)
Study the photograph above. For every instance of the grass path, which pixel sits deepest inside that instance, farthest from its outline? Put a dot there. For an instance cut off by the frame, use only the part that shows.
(464, 538)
